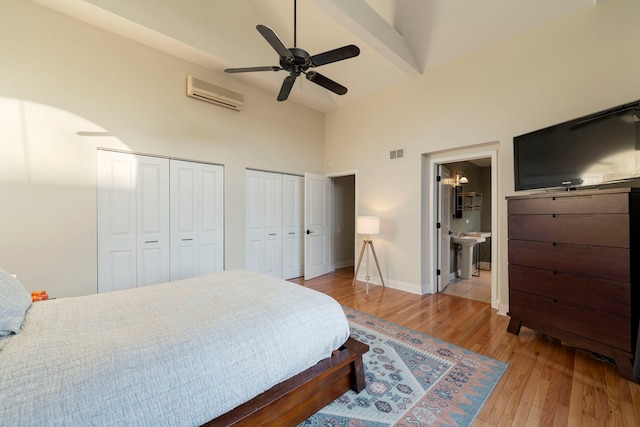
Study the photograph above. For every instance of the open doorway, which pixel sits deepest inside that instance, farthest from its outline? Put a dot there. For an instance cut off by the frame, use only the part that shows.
(434, 243)
(465, 197)
(343, 220)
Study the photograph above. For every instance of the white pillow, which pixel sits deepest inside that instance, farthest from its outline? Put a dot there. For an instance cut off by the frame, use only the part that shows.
(14, 302)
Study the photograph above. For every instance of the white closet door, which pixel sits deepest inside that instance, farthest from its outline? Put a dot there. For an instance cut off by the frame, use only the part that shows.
(196, 219)
(211, 219)
(292, 226)
(184, 220)
(152, 221)
(117, 180)
(273, 224)
(254, 244)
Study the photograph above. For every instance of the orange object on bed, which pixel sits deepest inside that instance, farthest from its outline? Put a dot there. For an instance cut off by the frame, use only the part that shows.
(39, 296)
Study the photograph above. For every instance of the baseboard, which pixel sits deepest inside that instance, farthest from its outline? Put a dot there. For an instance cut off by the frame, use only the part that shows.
(393, 284)
(485, 265)
(503, 309)
(343, 264)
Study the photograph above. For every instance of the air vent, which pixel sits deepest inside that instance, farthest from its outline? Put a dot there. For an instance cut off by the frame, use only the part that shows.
(214, 94)
(398, 153)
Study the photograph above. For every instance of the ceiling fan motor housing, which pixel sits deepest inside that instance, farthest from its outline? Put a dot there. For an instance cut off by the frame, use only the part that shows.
(301, 60)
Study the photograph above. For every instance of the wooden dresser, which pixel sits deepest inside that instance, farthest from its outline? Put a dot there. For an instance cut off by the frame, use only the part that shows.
(574, 269)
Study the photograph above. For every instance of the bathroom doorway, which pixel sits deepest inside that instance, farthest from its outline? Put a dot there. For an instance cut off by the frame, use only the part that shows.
(478, 166)
(468, 247)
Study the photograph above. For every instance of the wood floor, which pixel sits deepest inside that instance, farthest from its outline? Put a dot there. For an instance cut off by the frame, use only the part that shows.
(546, 384)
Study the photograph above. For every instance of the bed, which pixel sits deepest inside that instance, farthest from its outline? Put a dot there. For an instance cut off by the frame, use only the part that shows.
(231, 348)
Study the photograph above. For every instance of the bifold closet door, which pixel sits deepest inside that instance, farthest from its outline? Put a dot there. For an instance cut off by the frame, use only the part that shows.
(264, 222)
(275, 239)
(292, 226)
(273, 223)
(133, 220)
(196, 219)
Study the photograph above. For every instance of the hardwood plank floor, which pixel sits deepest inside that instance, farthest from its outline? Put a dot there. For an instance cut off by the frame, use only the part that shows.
(546, 384)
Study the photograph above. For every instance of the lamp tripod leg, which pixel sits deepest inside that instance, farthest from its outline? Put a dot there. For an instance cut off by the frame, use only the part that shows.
(375, 257)
(355, 276)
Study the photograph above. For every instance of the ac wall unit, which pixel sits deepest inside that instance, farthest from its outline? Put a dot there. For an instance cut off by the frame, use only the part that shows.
(214, 94)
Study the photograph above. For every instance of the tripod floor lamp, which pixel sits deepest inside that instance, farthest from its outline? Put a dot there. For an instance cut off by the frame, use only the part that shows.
(367, 225)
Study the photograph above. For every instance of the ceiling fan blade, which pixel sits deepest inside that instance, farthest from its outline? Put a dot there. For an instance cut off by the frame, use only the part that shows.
(287, 84)
(275, 42)
(326, 83)
(335, 55)
(252, 69)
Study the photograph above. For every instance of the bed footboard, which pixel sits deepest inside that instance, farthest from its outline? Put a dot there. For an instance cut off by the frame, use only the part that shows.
(296, 399)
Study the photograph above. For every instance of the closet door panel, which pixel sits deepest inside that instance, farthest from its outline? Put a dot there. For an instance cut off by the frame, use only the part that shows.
(211, 212)
(292, 223)
(255, 249)
(117, 180)
(197, 219)
(184, 220)
(120, 271)
(153, 252)
(273, 223)
(184, 261)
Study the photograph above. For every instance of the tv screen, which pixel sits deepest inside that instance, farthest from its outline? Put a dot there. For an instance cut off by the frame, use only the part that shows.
(590, 151)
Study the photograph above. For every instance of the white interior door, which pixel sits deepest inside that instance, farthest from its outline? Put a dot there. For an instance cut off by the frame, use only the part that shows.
(196, 219)
(254, 221)
(153, 249)
(273, 224)
(443, 248)
(317, 223)
(117, 181)
(292, 222)
(211, 219)
(184, 220)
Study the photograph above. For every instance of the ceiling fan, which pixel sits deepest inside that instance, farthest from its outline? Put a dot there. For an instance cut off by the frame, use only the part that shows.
(297, 61)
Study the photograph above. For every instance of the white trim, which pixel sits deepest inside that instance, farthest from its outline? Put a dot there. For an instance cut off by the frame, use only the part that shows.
(503, 309)
(342, 264)
(393, 284)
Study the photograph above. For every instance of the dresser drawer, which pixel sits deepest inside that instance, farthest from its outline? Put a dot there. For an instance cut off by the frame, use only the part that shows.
(599, 294)
(582, 229)
(598, 326)
(593, 261)
(573, 204)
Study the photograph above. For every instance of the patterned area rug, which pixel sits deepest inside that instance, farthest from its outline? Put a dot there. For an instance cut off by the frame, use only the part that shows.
(412, 379)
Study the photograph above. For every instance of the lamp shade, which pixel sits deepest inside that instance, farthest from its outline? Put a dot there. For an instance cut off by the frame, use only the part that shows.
(368, 225)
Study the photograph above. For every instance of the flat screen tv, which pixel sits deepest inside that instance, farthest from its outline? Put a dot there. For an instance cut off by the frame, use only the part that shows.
(590, 151)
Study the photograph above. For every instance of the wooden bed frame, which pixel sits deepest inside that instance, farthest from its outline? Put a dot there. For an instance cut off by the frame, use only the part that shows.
(296, 399)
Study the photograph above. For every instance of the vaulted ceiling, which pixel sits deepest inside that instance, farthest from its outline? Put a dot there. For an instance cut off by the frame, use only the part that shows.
(398, 39)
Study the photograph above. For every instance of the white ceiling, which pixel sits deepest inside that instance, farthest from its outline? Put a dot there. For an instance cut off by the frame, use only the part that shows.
(398, 39)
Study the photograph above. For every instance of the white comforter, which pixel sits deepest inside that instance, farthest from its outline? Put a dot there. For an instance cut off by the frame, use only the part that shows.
(176, 354)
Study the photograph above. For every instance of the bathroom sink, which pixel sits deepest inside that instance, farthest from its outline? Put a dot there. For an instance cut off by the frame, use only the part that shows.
(467, 240)
(484, 234)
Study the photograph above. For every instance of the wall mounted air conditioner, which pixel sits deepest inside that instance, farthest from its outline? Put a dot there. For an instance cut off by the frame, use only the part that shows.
(214, 94)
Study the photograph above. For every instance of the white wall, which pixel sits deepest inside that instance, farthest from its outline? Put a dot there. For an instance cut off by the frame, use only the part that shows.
(580, 64)
(59, 76)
